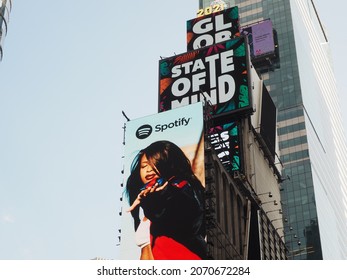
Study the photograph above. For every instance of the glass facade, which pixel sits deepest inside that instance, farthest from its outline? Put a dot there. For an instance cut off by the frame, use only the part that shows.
(5, 8)
(311, 139)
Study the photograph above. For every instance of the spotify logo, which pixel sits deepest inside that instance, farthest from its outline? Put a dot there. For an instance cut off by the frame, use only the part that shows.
(144, 131)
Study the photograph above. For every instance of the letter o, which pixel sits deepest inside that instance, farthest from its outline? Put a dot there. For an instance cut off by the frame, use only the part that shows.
(203, 41)
(180, 87)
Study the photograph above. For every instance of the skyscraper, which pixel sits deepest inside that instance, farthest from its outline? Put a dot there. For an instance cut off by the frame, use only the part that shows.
(5, 8)
(312, 144)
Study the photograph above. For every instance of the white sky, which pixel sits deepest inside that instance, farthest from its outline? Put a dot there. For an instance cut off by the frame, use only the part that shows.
(69, 69)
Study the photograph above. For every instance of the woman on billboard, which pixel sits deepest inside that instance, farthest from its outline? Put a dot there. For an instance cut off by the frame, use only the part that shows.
(163, 184)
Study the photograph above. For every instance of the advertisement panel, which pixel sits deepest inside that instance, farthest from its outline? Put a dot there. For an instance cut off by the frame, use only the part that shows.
(261, 38)
(164, 179)
(268, 121)
(212, 26)
(226, 141)
(218, 74)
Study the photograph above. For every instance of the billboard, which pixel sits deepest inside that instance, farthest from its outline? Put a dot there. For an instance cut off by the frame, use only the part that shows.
(212, 27)
(218, 74)
(268, 121)
(164, 177)
(261, 38)
(226, 141)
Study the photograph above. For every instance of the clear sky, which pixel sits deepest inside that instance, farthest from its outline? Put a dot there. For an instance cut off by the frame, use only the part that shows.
(69, 69)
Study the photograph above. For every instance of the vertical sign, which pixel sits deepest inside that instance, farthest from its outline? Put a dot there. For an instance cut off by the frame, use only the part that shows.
(226, 141)
(261, 38)
(181, 127)
(214, 28)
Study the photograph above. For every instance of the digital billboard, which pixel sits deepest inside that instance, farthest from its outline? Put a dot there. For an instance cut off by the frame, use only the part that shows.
(163, 202)
(226, 141)
(218, 74)
(268, 121)
(261, 38)
(212, 26)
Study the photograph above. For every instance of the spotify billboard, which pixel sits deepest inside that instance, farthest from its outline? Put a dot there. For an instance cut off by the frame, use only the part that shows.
(183, 127)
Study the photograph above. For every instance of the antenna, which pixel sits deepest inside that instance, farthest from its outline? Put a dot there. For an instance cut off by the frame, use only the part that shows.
(124, 127)
(125, 116)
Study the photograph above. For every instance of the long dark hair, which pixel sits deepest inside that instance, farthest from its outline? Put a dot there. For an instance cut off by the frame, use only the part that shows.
(168, 160)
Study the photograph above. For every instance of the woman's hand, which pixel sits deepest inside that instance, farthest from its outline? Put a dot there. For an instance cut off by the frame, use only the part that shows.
(145, 192)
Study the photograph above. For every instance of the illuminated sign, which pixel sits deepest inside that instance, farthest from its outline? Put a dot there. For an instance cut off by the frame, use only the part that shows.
(225, 140)
(217, 74)
(212, 28)
(183, 127)
(213, 8)
(261, 38)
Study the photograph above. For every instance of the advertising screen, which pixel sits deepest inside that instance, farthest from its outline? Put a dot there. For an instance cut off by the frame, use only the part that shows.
(212, 27)
(226, 141)
(268, 121)
(261, 38)
(164, 177)
(218, 74)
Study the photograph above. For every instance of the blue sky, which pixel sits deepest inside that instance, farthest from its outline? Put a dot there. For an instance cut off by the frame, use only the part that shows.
(69, 69)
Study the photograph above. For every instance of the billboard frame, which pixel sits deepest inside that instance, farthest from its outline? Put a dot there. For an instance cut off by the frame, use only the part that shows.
(230, 113)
